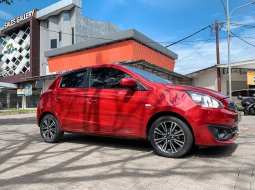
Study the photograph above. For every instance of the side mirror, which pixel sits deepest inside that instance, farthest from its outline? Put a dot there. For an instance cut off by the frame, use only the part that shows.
(128, 83)
(239, 97)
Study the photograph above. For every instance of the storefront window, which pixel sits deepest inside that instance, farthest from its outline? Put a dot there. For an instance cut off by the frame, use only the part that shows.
(10, 100)
(15, 101)
(33, 100)
(3, 100)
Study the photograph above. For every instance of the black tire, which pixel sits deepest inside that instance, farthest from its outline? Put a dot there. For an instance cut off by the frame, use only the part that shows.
(252, 111)
(178, 142)
(50, 134)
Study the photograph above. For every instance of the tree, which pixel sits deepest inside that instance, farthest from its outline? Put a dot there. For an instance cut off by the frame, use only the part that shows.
(8, 2)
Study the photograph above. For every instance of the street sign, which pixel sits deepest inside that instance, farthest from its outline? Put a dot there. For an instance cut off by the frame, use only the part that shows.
(20, 92)
(28, 90)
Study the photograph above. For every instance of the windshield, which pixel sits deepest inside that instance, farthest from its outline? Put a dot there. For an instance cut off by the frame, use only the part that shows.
(148, 76)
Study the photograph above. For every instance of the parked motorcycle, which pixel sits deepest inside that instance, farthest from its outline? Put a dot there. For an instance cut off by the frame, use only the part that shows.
(248, 105)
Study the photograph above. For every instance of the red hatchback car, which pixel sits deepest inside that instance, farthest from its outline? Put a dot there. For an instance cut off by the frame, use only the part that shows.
(124, 101)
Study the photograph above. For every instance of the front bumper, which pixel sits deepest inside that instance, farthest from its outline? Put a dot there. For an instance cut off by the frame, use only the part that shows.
(223, 133)
(214, 127)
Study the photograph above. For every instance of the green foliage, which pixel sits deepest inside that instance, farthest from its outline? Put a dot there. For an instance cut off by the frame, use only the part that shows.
(8, 2)
(15, 112)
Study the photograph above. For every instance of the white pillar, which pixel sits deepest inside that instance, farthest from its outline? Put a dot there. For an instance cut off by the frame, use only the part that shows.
(24, 102)
(8, 100)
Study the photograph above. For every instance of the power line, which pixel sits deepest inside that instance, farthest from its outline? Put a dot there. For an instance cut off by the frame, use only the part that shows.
(242, 39)
(188, 36)
(248, 37)
(108, 39)
(243, 25)
(161, 42)
(100, 38)
(196, 50)
(166, 42)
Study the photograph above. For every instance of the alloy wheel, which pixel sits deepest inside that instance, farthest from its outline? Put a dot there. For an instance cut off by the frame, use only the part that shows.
(169, 137)
(49, 128)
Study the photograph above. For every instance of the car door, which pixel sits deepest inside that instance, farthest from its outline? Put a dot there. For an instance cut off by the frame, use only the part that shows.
(112, 109)
(69, 101)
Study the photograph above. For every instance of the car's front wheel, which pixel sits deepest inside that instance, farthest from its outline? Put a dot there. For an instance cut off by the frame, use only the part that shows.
(170, 137)
(50, 130)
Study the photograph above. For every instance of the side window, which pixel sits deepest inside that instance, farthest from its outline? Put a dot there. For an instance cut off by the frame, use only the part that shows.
(47, 23)
(74, 80)
(244, 93)
(66, 15)
(53, 43)
(107, 78)
(251, 93)
(236, 93)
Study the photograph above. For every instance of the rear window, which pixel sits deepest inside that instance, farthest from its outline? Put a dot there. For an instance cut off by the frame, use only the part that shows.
(240, 92)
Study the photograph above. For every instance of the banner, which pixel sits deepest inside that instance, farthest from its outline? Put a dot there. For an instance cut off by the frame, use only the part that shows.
(20, 92)
(251, 77)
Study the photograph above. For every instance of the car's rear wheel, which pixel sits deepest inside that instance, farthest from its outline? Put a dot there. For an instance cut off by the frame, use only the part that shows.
(50, 130)
(170, 137)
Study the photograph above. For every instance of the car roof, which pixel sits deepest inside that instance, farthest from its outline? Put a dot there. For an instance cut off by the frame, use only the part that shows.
(89, 67)
(243, 89)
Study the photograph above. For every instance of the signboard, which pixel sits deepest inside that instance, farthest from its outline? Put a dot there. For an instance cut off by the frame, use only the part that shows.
(10, 48)
(251, 77)
(20, 92)
(28, 90)
(19, 18)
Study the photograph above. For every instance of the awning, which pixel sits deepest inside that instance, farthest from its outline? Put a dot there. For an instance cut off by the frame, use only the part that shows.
(8, 85)
(45, 77)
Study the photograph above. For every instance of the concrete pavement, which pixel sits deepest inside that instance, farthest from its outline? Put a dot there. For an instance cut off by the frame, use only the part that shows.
(82, 162)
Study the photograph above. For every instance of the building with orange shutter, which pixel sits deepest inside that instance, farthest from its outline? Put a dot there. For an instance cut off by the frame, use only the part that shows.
(124, 47)
(129, 45)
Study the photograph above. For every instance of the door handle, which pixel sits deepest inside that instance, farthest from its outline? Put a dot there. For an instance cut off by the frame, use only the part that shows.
(58, 99)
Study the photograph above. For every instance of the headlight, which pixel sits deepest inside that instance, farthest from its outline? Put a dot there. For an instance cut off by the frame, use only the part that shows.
(205, 100)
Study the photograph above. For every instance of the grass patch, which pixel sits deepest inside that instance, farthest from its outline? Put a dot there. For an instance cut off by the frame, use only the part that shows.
(15, 112)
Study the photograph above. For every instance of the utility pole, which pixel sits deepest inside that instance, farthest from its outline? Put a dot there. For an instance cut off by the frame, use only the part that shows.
(218, 55)
(229, 61)
(228, 15)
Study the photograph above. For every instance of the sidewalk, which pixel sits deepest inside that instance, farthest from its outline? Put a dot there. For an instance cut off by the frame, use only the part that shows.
(83, 162)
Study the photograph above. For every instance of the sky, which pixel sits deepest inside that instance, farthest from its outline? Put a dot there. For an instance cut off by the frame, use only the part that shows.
(167, 21)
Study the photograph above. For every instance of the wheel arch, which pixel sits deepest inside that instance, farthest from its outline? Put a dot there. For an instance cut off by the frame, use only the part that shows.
(43, 114)
(167, 113)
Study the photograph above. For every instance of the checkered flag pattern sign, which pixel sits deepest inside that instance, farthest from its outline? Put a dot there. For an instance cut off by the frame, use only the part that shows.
(16, 53)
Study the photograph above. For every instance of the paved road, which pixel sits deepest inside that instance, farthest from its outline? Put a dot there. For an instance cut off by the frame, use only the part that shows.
(82, 162)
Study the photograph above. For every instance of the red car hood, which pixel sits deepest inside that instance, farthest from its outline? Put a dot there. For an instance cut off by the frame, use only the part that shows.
(206, 91)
